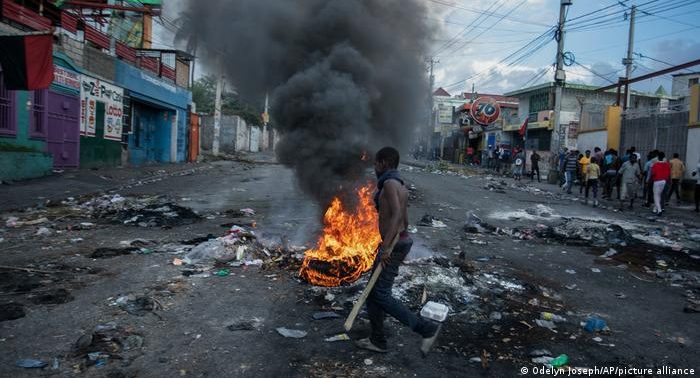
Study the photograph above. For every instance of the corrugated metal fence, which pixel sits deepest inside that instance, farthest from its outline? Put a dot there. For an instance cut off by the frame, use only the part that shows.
(666, 132)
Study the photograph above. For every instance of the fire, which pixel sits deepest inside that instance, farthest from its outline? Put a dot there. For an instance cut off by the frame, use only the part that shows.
(348, 244)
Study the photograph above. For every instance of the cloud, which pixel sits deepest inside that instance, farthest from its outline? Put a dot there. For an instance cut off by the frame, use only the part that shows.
(674, 51)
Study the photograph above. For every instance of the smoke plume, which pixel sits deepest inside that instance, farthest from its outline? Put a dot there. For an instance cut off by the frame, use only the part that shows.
(345, 76)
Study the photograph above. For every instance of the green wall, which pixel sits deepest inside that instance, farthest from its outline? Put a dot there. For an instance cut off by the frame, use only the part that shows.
(97, 151)
(16, 163)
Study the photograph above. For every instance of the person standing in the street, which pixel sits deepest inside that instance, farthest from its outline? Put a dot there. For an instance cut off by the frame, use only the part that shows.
(611, 176)
(598, 155)
(570, 169)
(518, 165)
(652, 158)
(489, 161)
(677, 170)
(535, 166)
(592, 175)
(660, 174)
(583, 162)
(391, 200)
(630, 175)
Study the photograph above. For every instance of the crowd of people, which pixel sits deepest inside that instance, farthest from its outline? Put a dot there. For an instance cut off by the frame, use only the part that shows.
(626, 178)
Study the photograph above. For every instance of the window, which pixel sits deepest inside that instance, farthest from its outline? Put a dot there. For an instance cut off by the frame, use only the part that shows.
(38, 118)
(7, 109)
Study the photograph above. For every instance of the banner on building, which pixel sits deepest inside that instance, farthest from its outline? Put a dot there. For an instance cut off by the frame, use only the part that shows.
(92, 91)
(66, 78)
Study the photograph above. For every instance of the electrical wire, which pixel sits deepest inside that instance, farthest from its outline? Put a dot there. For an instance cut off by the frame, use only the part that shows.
(452, 5)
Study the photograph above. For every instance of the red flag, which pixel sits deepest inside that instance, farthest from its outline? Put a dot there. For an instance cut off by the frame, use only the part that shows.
(27, 61)
(523, 128)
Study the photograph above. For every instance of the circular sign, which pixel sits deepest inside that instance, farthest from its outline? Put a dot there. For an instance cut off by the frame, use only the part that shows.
(485, 110)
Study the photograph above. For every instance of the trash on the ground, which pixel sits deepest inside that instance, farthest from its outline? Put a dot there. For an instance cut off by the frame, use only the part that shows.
(324, 315)
(293, 333)
(431, 221)
(561, 360)
(248, 212)
(476, 360)
(222, 272)
(338, 337)
(368, 361)
(595, 324)
(495, 315)
(595, 270)
(435, 311)
(475, 225)
(43, 231)
(76, 240)
(540, 210)
(138, 306)
(133, 342)
(177, 262)
(412, 229)
(620, 295)
(597, 339)
(571, 287)
(540, 353)
(570, 271)
(609, 253)
(545, 323)
(30, 363)
(544, 360)
(553, 317)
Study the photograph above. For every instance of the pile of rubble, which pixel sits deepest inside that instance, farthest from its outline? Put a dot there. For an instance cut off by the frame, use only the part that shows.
(157, 211)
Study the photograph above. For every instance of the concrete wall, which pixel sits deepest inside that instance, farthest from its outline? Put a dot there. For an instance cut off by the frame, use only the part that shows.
(87, 57)
(235, 135)
(592, 139)
(24, 165)
(679, 86)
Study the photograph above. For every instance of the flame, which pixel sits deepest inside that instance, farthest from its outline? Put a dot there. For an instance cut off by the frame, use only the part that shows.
(348, 244)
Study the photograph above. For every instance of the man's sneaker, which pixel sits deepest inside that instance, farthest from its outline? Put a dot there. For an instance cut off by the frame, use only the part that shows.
(366, 343)
(428, 341)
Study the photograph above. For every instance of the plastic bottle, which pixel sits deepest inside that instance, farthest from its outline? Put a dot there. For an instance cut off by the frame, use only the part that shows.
(560, 361)
(552, 317)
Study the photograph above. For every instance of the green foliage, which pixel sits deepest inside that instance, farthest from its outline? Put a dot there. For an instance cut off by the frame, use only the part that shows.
(204, 93)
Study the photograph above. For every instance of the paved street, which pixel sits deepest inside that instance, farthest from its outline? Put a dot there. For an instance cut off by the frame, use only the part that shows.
(93, 306)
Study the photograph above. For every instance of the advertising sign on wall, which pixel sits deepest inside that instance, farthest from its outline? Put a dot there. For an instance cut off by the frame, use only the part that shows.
(66, 78)
(92, 91)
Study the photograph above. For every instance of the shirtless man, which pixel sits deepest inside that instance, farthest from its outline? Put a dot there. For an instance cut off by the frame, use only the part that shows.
(391, 200)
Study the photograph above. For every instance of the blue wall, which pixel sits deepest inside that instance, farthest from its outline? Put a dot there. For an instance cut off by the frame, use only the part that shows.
(160, 96)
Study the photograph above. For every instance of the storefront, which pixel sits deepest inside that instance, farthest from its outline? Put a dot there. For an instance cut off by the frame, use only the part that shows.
(157, 129)
(102, 106)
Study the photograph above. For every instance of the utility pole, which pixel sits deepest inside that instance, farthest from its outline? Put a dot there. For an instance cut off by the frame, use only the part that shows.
(628, 61)
(431, 123)
(559, 75)
(217, 111)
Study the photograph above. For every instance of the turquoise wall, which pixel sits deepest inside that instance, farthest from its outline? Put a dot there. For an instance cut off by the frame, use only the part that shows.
(20, 165)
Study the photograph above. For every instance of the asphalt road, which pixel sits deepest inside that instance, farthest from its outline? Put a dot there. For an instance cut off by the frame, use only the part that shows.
(187, 335)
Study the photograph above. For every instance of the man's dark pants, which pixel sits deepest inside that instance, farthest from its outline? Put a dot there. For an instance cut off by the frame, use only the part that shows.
(675, 187)
(380, 301)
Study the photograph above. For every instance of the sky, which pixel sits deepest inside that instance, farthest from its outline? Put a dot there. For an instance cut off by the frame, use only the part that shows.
(471, 46)
(485, 44)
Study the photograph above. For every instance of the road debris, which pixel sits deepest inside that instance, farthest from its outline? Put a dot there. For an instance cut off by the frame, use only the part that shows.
(291, 333)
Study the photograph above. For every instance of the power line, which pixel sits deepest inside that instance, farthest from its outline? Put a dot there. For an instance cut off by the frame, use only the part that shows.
(452, 5)
(452, 40)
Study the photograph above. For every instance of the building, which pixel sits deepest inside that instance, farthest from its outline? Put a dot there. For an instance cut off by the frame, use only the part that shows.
(583, 120)
(113, 101)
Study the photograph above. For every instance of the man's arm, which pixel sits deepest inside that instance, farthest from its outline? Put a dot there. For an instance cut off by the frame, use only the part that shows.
(391, 197)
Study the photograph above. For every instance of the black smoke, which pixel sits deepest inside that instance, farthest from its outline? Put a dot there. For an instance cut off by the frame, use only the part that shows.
(346, 77)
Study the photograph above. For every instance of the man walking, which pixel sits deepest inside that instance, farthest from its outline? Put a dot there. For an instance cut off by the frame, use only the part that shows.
(570, 169)
(518, 165)
(592, 175)
(391, 200)
(660, 174)
(535, 164)
(677, 170)
(583, 163)
(630, 174)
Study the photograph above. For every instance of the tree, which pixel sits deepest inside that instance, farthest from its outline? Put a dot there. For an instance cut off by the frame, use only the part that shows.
(204, 92)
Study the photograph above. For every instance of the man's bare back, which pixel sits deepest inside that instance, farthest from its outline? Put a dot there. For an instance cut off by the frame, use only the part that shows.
(393, 211)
